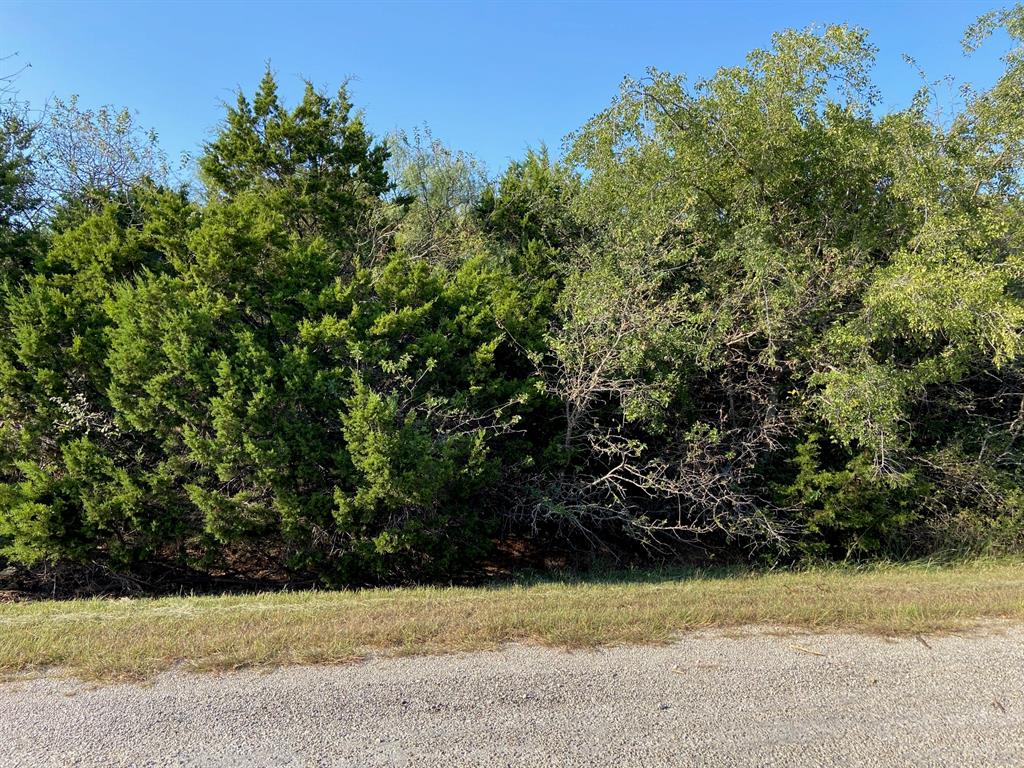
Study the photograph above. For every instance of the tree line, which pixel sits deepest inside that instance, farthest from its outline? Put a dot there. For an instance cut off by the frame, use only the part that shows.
(754, 313)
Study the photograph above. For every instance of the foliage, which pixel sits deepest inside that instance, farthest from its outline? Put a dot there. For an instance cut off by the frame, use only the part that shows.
(85, 158)
(793, 266)
(751, 311)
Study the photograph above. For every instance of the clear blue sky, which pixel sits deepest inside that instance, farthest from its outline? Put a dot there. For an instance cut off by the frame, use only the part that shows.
(490, 78)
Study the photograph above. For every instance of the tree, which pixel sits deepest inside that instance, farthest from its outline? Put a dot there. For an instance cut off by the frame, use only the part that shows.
(749, 312)
(79, 485)
(323, 395)
(87, 158)
(744, 222)
(19, 239)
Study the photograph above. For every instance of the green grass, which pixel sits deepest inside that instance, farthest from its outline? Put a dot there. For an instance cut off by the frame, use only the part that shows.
(137, 638)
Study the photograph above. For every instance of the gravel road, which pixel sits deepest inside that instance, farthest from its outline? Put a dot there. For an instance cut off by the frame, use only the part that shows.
(711, 699)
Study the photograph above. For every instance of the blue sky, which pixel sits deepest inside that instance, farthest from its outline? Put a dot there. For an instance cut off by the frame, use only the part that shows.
(490, 78)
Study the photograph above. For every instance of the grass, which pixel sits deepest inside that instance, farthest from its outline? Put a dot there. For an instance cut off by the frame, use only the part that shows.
(138, 638)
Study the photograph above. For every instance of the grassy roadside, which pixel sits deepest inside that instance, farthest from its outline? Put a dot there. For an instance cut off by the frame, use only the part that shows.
(135, 639)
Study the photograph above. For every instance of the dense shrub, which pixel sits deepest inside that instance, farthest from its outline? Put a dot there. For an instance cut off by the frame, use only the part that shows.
(748, 312)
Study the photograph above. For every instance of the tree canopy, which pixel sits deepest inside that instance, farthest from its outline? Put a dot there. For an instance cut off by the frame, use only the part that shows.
(752, 314)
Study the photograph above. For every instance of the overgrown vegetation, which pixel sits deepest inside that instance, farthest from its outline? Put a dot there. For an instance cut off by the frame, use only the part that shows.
(750, 313)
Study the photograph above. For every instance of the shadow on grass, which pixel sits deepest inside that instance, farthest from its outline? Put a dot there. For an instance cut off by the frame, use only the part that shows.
(27, 585)
(612, 575)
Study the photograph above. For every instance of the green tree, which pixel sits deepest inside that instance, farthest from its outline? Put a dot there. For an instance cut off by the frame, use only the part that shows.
(80, 485)
(20, 240)
(324, 392)
(787, 264)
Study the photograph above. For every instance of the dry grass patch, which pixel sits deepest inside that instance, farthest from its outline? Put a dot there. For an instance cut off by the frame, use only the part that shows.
(135, 639)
